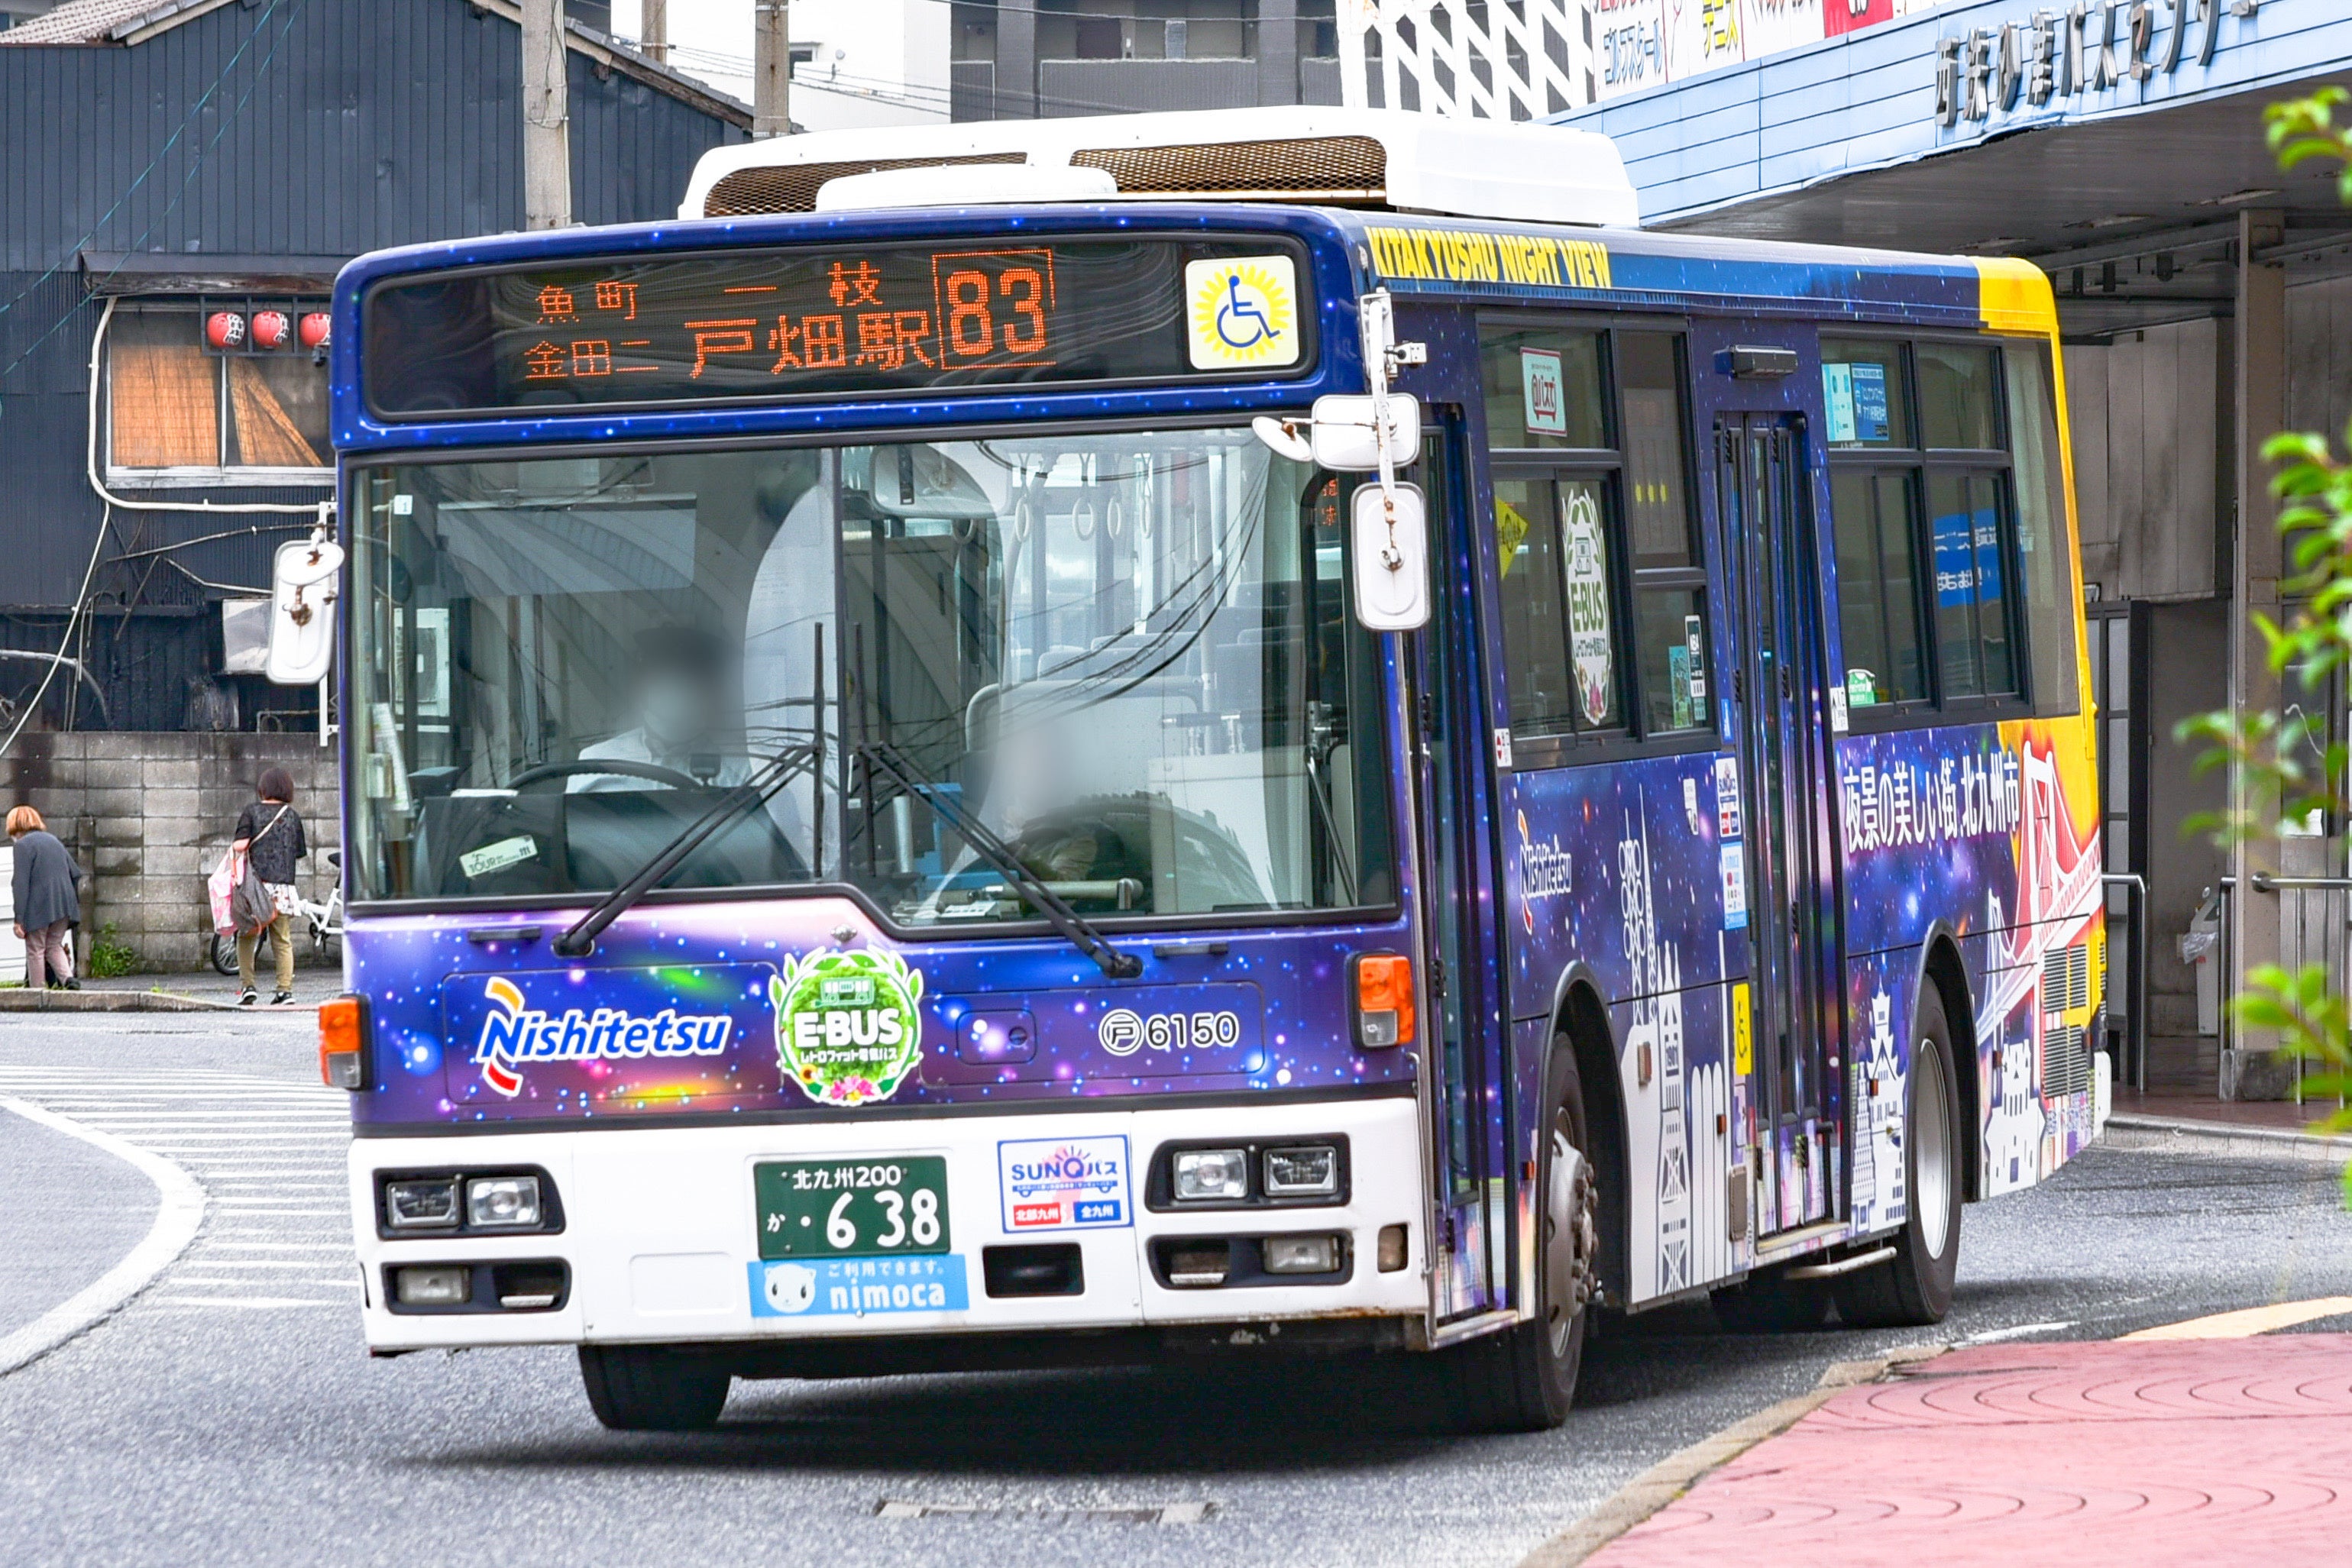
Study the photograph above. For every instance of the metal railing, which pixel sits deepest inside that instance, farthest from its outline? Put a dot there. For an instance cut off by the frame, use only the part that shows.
(2312, 930)
(2135, 993)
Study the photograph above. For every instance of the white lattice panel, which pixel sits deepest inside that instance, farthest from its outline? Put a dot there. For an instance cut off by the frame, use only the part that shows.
(1484, 59)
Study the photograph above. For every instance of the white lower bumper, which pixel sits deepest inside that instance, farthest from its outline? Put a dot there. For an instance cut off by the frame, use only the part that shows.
(660, 1227)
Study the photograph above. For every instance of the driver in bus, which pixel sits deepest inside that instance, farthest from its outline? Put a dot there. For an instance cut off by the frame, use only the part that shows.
(677, 691)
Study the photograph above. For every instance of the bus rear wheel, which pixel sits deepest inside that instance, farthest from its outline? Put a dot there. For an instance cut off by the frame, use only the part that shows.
(641, 1388)
(1913, 1288)
(1523, 1379)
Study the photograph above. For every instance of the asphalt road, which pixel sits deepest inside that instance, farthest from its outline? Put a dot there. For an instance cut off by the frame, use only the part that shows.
(229, 1415)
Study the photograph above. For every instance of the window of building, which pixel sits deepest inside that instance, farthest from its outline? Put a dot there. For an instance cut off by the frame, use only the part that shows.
(211, 392)
(1935, 535)
(1604, 584)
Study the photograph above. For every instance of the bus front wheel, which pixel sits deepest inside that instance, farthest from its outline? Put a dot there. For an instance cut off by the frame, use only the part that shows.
(1913, 1288)
(1523, 1379)
(640, 1388)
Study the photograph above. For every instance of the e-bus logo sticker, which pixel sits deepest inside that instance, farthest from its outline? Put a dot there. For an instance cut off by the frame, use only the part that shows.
(1064, 1184)
(1588, 605)
(1242, 313)
(514, 1033)
(846, 1030)
(858, 1287)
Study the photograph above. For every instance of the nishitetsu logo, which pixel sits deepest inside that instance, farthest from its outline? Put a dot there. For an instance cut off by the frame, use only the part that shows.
(516, 1033)
(845, 1026)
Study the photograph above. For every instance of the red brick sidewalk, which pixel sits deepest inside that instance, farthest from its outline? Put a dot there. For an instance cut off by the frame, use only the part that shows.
(2197, 1451)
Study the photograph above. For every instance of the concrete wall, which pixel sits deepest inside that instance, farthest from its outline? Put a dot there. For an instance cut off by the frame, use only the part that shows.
(149, 814)
(2150, 416)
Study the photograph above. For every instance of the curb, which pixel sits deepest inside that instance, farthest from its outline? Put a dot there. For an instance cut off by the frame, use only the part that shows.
(19, 1000)
(1679, 1472)
(178, 1215)
(24, 1001)
(2173, 1134)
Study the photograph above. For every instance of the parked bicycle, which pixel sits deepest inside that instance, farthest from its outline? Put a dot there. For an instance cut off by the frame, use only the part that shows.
(325, 922)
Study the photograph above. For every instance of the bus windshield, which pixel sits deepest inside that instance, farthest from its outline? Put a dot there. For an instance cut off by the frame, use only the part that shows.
(1126, 656)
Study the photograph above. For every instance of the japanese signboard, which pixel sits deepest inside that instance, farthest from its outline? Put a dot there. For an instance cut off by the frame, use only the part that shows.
(754, 325)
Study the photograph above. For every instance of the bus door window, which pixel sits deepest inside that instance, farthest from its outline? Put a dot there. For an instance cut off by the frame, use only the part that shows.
(1783, 745)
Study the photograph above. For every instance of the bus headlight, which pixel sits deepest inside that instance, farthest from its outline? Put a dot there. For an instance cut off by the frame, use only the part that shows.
(428, 1205)
(1301, 1254)
(1204, 1175)
(502, 1203)
(1309, 1170)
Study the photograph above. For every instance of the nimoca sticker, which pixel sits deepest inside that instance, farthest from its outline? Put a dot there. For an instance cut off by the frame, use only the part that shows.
(846, 1029)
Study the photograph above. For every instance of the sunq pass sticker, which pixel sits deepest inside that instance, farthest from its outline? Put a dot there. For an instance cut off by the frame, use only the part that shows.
(846, 1030)
(1242, 313)
(1064, 1184)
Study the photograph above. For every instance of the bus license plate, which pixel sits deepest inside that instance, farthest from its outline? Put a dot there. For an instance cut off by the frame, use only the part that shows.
(868, 1207)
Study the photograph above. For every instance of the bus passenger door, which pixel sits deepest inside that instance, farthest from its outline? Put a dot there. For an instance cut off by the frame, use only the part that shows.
(1787, 778)
(1462, 1030)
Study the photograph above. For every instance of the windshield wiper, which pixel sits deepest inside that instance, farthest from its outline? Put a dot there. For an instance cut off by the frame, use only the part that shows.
(1081, 933)
(780, 770)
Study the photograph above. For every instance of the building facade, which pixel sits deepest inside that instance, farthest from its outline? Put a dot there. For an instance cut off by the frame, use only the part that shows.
(2205, 297)
(179, 184)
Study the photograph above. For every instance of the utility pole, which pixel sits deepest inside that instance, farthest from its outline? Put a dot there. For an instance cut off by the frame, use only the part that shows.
(654, 24)
(546, 117)
(771, 70)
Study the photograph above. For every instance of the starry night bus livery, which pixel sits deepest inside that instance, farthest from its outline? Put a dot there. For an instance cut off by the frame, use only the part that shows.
(1727, 759)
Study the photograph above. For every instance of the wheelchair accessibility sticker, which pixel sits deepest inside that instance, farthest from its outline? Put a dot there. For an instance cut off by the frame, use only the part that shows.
(1243, 313)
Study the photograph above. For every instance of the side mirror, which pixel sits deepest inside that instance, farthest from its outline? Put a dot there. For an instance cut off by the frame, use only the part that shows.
(1391, 564)
(1342, 432)
(305, 580)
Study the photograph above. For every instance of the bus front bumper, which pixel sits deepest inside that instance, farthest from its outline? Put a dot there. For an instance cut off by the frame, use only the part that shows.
(660, 1232)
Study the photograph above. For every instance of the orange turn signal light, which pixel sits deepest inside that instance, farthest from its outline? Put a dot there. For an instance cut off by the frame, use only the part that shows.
(1382, 1000)
(342, 1042)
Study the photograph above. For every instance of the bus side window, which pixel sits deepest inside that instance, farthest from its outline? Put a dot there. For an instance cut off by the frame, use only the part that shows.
(1878, 586)
(2042, 541)
(1925, 503)
(1670, 613)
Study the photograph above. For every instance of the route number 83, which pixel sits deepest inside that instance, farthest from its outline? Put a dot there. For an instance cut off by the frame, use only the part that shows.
(972, 331)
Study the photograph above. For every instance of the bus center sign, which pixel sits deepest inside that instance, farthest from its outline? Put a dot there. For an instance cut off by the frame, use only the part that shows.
(2090, 45)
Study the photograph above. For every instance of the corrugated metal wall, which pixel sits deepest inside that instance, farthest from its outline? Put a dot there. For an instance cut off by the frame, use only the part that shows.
(302, 128)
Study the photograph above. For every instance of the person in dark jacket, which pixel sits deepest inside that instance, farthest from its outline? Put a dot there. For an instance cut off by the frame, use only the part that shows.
(46, 903)
(269, 831)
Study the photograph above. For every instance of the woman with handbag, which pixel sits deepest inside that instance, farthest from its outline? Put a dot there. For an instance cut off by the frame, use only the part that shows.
(46, 901)
(270, 834)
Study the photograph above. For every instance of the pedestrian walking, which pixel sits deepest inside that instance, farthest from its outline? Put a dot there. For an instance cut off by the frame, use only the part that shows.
(269, 831)
(47, 902)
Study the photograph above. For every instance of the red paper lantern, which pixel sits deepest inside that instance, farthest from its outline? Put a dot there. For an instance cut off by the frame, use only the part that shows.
(224, 329)
(317, 328)
(271, 329)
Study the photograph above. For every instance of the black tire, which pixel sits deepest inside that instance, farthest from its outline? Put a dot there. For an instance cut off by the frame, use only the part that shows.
(1523, 1379)
(639, 1388)
(1913, 1288)
(1769, 1304)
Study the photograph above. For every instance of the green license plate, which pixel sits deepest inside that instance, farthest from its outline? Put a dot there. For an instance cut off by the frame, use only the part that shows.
(871, 1208)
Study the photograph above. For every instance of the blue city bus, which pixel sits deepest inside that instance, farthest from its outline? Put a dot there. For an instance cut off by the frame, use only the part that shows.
(880, 839)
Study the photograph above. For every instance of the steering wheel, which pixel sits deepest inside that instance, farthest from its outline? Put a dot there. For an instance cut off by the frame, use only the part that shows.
(653, 770)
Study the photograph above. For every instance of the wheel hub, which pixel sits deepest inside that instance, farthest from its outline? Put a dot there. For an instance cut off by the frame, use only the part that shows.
(1572, 1238)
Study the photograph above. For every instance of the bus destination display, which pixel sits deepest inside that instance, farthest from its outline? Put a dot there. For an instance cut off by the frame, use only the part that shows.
(747, 326)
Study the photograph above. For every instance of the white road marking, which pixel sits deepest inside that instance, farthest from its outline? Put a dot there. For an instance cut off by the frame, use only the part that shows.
(179, 1214)
(272, 1158)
